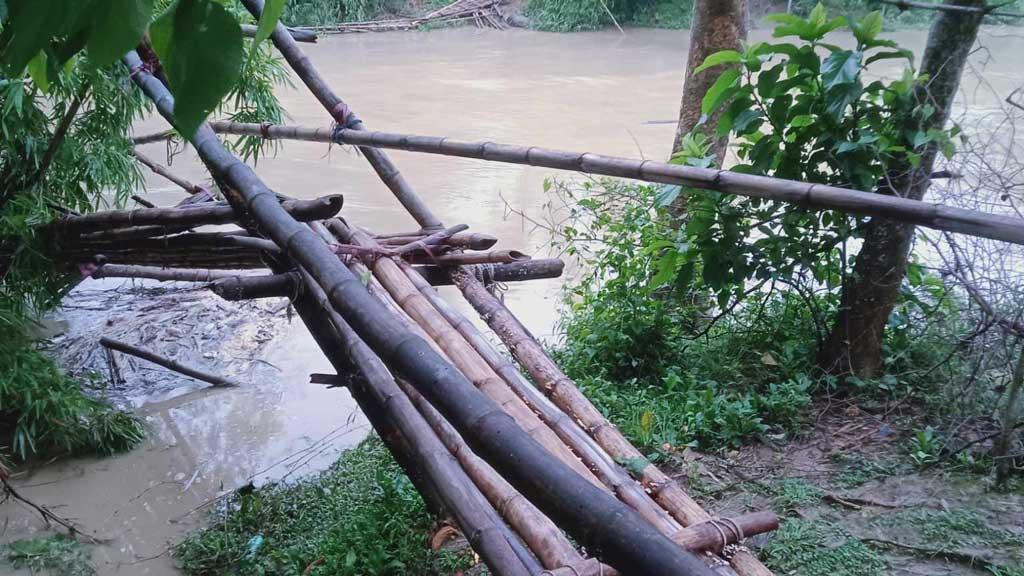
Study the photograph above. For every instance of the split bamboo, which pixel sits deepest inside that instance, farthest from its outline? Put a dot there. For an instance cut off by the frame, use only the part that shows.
(564, 393)
(804, 194)
(616, 533)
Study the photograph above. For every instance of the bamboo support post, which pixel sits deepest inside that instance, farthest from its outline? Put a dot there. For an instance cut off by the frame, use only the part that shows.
(302, 210)
(604, 525)
(217, 381)
(806, 195)
(343, 116)
(564, 393)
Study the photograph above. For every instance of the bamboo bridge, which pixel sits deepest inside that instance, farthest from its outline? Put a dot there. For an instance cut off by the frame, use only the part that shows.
(532, 473)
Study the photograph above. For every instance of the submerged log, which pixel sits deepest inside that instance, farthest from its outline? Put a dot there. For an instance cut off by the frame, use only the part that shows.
(217, 381)
(302, 210)
(804, 194)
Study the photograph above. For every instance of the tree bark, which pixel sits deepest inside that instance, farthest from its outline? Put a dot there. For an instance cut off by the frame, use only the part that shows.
(1008, 419)
(854, 346)
(717, 25)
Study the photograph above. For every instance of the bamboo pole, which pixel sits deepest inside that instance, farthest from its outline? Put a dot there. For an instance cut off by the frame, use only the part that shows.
(303, 210)
(262, 286)
(344, 116)
(216, 381)
(167, 174)
(475, 516)
(298, 34)
(614, 532)
(461, 258)
(470, 240)
(592, 455)
(431, 240)
(163, 274)
(538, 531)
(807, 195)
(462, 355)
(564, 393)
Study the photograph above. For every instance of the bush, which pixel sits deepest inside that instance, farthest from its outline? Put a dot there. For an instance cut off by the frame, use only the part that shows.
(361, 516)
(576, 15)
(43, 410)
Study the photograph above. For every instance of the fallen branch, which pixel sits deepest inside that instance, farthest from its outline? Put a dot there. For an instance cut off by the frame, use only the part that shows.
(218, 381)
(986, 10)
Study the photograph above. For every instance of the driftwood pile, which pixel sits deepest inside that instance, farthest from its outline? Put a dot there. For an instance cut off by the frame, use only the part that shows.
(483, 13)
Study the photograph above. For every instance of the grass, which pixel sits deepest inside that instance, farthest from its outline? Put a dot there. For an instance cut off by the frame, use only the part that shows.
(819, 549)
(55, 555)
(361, 516)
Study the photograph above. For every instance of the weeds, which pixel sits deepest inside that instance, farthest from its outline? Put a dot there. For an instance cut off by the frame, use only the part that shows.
(361, 516)
(819, 549)
(57, 555)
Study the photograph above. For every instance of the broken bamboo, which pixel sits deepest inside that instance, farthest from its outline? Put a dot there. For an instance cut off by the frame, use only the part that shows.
(599, 521)
(804, 194)
(217, 381)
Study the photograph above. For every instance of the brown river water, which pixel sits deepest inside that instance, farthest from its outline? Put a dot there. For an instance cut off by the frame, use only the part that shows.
(600, 92)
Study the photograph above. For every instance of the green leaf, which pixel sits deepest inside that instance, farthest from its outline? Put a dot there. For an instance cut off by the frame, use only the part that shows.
(37, 71)
(719, 91)
(667, 194)
(119, 26)
(200, 45)
(29, 26)
(272, 10)
(723, 57)
(890, 54)
(867, 28)
(801, 121)
(840, 68)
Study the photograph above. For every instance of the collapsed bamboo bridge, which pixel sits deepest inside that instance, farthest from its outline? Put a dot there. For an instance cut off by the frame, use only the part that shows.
(536, 478)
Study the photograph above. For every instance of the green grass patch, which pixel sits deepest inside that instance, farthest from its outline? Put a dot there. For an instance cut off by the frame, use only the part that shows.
(819, 549)
(361, 516)
(55, 555)
(955, 528)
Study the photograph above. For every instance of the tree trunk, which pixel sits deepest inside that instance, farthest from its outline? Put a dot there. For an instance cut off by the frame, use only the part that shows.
(854, 345)
(1008, 419)
(717, 25)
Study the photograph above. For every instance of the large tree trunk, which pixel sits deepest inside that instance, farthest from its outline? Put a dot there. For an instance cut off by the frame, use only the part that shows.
(854, 345)
(717, 25)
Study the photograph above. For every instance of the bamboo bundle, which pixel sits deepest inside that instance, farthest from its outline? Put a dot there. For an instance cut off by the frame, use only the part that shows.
(599, 521)
(806, 195)
(564, 393)
(302, 210)
(462, 355)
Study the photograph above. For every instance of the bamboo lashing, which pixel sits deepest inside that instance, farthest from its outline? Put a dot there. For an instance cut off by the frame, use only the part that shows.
(803, 194)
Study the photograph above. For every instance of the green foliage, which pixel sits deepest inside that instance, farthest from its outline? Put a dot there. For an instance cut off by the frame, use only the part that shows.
(819, 549)
(925, 447)
(327, 12)
(955, 528)
(57, 555)
(576, 15)
(44, 411)
(361, 516)
(792, 493)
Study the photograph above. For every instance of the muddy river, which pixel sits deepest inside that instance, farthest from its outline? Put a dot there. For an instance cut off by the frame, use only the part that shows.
(601, 92)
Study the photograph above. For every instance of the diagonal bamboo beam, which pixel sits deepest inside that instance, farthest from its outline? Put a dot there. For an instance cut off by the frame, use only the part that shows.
(806, 195)
(344, 116)
(615, 533)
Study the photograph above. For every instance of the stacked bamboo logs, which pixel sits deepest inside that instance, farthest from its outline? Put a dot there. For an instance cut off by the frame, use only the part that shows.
(556, 485)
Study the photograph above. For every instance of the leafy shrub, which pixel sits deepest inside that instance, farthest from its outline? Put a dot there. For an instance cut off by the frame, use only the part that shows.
(361, 516)
(327, 12)
(576, 15)
(57, 555)
(44, 410)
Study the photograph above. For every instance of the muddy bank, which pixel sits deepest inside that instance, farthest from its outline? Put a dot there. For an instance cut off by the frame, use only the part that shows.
(202, 443)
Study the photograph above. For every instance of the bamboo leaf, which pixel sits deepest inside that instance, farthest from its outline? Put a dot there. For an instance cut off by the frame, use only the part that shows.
(272, 10)
(719, 91)
(118, 27)
(723, 57)
(200, 44)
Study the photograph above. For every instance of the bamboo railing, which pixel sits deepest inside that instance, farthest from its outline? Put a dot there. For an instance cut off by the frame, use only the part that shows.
(803, 194)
